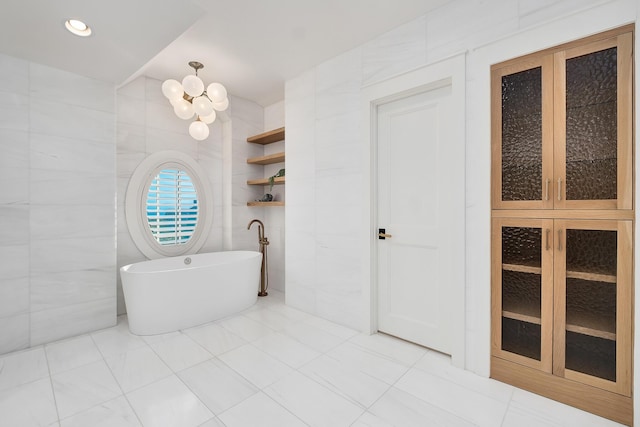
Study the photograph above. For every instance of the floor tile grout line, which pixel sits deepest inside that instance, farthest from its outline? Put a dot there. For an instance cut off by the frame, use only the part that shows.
(115, 379)
(175, 373)
(425, 401)
(24, 383)
(270, 398)
(274, 382)
(53, 391)
(506, 411)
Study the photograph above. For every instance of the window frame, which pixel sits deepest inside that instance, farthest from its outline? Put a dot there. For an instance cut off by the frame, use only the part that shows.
(136, 204)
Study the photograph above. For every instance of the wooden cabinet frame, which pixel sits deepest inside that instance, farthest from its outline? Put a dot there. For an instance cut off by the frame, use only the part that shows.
(546, 310)
(624, 294)
(552, 319)
(554, 215)
(553, 144)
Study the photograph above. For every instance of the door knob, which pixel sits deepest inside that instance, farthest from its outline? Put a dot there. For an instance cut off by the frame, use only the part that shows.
(382, 235)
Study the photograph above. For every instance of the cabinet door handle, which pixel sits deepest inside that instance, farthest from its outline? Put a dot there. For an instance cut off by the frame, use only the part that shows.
(547, 239)
(559, 188)
(546, 189)
(559, 240)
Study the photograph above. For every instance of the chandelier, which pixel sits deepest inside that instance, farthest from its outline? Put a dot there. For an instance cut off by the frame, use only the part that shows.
(190, 98)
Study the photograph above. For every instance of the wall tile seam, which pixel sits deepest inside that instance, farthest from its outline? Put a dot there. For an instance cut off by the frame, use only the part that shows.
(105, 141)
(589, 5)
(86, 173)
(524, 29)
(72, 104)
(29, 195)
(80, 303)
(16, 314)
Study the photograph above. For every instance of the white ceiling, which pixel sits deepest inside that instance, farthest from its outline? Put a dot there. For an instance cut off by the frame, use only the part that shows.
(250, 46)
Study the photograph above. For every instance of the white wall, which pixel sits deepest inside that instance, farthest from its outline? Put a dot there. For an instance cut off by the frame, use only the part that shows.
(147, 124)
(274, 216)
(324, 269)
(57, 204)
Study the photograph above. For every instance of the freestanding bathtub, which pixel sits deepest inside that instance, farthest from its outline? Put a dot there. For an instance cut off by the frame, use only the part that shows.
(170, 294)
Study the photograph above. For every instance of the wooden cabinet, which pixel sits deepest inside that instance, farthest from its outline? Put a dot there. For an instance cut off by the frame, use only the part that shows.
(562, 127)
(265, 138)
(561, 298)
(562, 223)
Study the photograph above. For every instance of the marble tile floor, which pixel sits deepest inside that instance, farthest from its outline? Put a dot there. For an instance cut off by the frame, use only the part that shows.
(270, 365)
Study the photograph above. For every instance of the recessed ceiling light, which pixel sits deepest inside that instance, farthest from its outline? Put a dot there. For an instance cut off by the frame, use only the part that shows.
(78, 27)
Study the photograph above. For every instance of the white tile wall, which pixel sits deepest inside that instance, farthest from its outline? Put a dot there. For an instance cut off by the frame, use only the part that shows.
(247, 120)
(57, 204)
(324, 274)
(147, 124)
(274, 216)
(394, 52)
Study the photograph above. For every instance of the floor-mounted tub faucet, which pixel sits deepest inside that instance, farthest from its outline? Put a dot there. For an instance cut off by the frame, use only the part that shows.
(264, 242)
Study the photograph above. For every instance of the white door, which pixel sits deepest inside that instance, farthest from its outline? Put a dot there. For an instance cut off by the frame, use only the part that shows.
(420, 176)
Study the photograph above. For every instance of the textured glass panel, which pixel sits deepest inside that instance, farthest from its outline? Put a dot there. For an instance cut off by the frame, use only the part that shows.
(592, 251)
(521, 338)
(592, 126)
(522, 135)
(521, 293)
(591, 302)
(521, 302)
(591, 305)
(522, 245)
(591, 355)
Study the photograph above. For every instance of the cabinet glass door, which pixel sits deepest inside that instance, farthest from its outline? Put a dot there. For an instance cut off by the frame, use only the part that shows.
(521, 329)
(592, 295)
(522, 135)
(593, 138)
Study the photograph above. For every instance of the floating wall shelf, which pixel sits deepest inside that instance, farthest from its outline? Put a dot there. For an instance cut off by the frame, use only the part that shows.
(264, 139)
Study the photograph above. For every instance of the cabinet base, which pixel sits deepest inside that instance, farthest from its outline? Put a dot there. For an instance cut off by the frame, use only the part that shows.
(604, 403)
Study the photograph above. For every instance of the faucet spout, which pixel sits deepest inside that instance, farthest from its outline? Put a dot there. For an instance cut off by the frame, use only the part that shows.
(260, 228)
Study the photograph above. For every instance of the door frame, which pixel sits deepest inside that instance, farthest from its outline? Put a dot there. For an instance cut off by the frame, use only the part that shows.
(448, 71)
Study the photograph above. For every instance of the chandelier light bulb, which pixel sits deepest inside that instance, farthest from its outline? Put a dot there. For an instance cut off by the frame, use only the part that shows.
(183, 109)
(209, 119)
(216, 92)
(221, 106)
(189, 98)
(172, 89)
(198, 130)
(193, 86)
(202, 106)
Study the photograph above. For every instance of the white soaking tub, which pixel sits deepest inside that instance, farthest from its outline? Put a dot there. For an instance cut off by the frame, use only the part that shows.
(170, 294)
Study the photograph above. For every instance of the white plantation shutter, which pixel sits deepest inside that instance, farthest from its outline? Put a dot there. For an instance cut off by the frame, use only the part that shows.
(172, 207)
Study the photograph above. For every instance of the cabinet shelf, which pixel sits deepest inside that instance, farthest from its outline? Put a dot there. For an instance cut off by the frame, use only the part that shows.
(584, 325)
(584, 275)
(522, 317)
(267, 137)
(270, 159)
(522, 268)
(265, 203)
(265, 181)
(583, 330)
(267, 160)
(596, 277)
